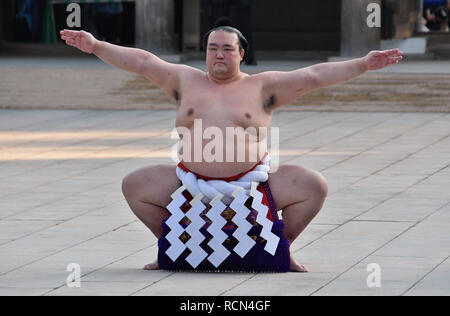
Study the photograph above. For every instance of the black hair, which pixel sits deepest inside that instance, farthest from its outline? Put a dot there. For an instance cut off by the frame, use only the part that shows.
(224, 24)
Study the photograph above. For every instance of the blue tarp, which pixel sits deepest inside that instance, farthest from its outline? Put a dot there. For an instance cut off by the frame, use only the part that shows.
(429, 3)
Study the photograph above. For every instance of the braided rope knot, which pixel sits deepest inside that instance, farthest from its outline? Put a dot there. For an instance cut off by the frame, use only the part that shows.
(212, 188)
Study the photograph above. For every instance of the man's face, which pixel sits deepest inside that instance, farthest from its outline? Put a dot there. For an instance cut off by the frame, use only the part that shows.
(222, 54)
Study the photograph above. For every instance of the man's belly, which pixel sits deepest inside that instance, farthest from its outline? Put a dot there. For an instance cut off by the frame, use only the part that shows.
(223, 162)
(221, 151)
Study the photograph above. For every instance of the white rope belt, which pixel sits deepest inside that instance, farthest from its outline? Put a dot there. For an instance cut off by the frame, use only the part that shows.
(212, 188)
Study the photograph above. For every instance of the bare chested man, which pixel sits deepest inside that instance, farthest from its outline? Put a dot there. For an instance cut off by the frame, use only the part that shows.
(225, 96)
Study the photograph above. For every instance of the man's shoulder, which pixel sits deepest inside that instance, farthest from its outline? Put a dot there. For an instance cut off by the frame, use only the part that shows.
(264, 77)
(190, 71)
(265, 74)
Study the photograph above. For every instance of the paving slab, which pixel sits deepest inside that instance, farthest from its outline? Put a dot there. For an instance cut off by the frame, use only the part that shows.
(435, 283)
(61, 203)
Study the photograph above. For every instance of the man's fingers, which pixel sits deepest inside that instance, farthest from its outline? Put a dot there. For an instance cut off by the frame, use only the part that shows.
(395, 60)
(70, 37)
(68, 40)
(67, 36)
(69, 32)
(393, 52)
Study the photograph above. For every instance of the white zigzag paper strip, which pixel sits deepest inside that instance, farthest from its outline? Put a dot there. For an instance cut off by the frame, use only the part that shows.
(266, 232)
(197, 254)
(240, 219)
(215, 229)
(176, 245)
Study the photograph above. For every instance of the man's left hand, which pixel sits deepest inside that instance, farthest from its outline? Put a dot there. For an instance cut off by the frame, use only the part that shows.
(379, 59)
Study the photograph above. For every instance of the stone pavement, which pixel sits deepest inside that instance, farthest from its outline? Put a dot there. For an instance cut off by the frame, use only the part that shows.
(61, 203)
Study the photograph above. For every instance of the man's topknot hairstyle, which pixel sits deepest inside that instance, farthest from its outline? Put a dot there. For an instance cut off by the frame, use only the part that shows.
(224, 24)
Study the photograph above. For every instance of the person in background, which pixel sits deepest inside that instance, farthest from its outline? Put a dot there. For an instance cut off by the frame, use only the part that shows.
(435, 13)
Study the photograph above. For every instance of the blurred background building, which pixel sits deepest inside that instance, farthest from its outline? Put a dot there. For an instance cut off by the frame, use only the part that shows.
(279, 29)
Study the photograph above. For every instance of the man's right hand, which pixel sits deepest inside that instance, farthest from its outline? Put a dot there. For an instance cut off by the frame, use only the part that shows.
(82, 40)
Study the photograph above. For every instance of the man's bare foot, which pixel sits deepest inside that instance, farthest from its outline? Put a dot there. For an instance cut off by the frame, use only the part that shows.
(296, 267)
(152, 266)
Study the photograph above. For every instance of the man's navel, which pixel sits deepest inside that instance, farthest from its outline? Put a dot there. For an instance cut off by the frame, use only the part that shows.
(190, 112)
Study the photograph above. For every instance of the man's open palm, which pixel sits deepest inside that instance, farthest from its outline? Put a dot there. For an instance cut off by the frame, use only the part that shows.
(380, 59)
(82, 40)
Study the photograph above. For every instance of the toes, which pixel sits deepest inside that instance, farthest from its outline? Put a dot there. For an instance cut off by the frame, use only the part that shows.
(299, 268)
(151, 266)
(296, 267)
(303, 268)
(148, 267)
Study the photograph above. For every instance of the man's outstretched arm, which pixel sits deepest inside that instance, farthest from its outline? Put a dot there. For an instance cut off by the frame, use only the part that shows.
(288, 86)
(163, 74)
(129, 59)
(332, 73)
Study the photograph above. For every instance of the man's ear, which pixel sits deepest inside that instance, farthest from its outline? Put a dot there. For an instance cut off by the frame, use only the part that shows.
(242, 53)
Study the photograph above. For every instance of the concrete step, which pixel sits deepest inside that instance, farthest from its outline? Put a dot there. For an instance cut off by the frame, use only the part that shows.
(441, 51)
(437, 37)
(438, 44)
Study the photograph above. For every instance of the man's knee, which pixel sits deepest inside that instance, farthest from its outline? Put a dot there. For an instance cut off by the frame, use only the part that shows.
(128, 182)
(152, 184)
(134, 184)
(315, 183)
(320, 185)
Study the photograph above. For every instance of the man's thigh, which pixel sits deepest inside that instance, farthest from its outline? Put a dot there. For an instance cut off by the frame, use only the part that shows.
(292, 184)
(152, 184)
